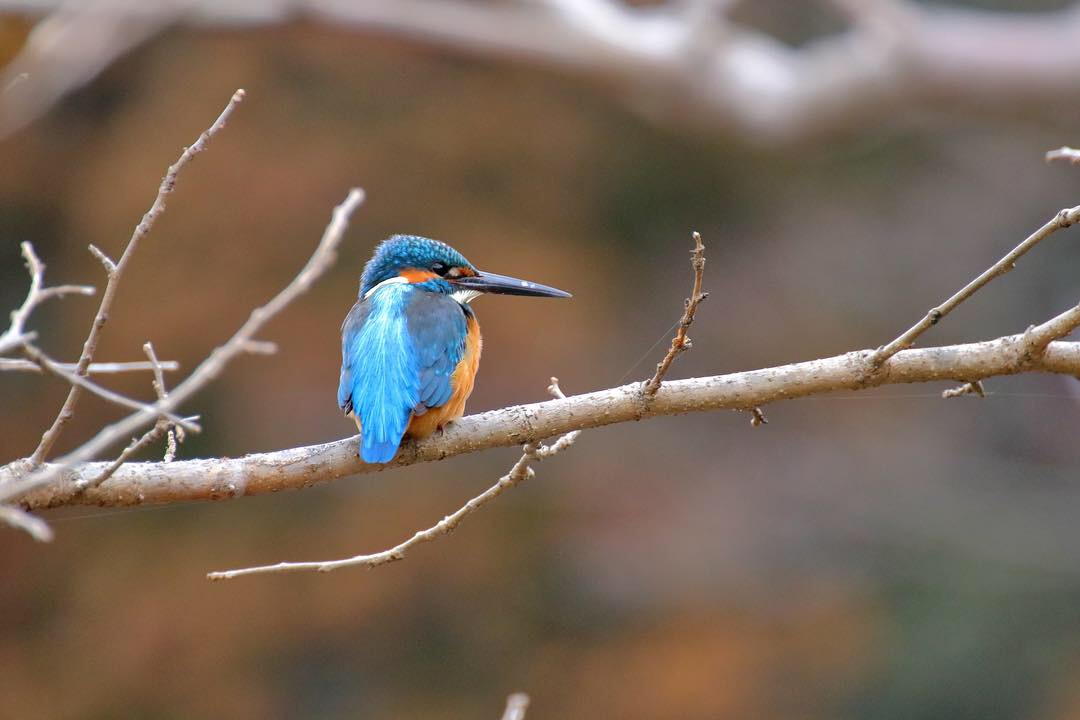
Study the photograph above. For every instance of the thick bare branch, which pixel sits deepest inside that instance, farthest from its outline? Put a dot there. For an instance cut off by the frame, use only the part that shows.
(70, 47)
(532, 451)
(116, 270)
(324, 256)
(894, 54)
(1063, 219)
(257, 474)
(680, 343)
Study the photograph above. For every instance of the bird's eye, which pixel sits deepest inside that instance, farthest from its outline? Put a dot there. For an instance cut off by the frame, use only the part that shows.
(439, 268)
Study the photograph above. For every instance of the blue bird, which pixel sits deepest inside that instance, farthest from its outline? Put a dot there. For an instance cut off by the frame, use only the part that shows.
(410, 345)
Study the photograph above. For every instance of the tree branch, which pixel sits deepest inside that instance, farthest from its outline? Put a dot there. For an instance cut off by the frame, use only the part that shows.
(532, 451)
(294, 468)
(114, 272)
(1063, 219)
(74, 481)
(971, 388)
(161, 427)
(16, 334)
(1069, 154)
(18, 480)
(680, 343)
(893, 54)
(109, 368)
(22, 520)
(48, 365)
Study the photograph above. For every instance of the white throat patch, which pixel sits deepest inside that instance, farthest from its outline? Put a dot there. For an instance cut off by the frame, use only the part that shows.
(465, 296)
(462, 296)
(389, 281)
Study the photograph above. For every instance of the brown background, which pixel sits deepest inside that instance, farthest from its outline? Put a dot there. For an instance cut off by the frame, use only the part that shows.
(881, 555)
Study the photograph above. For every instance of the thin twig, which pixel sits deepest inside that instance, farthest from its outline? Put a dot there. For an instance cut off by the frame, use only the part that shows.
(320, 261)
(22, 520)
(971, 388)
(174, 434)
(99, 255)
(159, 376)
(161, 427)
(47, 364)
(516, 706)
(1063, 219)
(16, 333)
(532, 451)
(148, 438)
(1064, 153)
(19, 78)
(115, 270)
(680, 343)
(110, 368)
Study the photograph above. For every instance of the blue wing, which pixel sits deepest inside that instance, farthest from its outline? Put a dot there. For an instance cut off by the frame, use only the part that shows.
(438, 326)
(399, 349)
(350, 335)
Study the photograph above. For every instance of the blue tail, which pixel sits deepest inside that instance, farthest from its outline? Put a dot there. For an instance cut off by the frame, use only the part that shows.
(379, 452)
(379, 376)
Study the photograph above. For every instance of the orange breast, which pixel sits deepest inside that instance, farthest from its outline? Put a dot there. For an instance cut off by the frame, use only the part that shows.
(462, 383)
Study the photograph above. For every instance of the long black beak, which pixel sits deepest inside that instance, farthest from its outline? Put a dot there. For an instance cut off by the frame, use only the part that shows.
(506, 285)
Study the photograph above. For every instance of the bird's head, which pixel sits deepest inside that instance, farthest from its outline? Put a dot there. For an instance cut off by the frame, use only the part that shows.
(436, 267)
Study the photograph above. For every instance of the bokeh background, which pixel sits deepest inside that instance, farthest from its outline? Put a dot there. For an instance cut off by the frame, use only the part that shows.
(877, 555)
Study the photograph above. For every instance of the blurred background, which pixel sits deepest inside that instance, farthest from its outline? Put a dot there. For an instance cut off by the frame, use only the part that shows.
(885, 554)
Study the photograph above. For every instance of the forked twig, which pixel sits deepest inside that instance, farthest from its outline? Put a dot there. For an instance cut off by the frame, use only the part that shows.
(162, 427)
(681, 343)
(209, 369)
(114, 271)
(1063, 219)
(49, 365)
(518, 473)
(16, 334)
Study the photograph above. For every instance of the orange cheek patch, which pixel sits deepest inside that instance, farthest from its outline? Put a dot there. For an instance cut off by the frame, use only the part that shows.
(416, 275)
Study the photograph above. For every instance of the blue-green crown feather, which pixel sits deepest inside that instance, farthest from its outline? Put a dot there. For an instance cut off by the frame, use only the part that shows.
(407, 251)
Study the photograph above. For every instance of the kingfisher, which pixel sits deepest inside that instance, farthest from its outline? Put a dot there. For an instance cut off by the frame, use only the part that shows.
(410, 346)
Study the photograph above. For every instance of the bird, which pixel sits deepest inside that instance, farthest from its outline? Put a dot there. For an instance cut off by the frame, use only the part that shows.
(410, 346)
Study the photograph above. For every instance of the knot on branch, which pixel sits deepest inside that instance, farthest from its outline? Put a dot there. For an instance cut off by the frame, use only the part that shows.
(1030, 347)
(1066, 217)
(873, 368)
